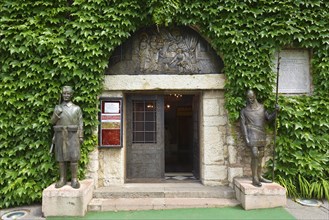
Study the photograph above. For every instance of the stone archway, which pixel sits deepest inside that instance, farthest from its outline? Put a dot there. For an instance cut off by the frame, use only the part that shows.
(176, 50)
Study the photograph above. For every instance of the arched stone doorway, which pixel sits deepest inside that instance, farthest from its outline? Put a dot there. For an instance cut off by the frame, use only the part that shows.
(172, 83)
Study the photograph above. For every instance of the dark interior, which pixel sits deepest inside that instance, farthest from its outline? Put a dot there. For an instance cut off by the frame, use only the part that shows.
(178, 133)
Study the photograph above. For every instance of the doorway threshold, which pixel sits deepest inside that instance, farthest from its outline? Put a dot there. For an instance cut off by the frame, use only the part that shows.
(180, 177)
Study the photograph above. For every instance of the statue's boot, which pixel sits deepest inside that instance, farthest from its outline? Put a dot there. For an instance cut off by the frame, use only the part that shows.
(260, 177)
(62, 175)
(74, 171)
(255, 180)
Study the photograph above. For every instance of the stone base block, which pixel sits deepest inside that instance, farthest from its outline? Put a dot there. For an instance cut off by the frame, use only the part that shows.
(67, 201)
(269, 195)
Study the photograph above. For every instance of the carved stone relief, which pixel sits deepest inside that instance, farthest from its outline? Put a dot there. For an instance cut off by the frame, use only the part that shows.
(178, 50)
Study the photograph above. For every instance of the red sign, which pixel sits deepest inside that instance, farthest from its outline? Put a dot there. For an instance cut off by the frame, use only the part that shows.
(111, 137)
(111, 123)
(108, 117)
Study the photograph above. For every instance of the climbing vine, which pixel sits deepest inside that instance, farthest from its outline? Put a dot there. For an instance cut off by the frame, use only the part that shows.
(46, 44)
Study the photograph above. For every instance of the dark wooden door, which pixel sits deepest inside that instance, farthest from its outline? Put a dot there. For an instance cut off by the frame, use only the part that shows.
(145, 137)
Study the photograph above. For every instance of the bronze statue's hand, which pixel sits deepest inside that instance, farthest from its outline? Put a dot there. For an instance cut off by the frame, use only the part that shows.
(277, 107)
(248, 142)
(58, 110)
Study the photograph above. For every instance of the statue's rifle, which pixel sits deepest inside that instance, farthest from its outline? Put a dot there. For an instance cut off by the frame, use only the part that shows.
(276, 104)
(52, 141)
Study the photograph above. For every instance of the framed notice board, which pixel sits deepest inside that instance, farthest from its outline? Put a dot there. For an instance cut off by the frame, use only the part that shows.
(110, 127)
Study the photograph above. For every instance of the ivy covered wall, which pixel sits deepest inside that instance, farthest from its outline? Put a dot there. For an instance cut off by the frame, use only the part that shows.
(46, 44)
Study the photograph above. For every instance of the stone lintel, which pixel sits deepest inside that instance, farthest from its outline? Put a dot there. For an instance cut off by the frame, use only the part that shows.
(164, 82)
(67, 201)
(269, 195)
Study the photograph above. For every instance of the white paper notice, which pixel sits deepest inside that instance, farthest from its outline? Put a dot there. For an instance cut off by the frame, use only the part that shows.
(111, 107)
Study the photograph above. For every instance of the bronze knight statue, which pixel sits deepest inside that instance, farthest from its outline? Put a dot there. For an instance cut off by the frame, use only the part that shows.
(68, 136)
(252, 119)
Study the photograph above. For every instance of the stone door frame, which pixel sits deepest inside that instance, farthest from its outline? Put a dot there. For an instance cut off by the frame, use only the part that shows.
(214, 129)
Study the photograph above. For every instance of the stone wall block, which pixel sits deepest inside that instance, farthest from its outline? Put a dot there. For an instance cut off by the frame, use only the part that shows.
(93, 155)
(222, 109)
(111, 167)
(232, 154)
(213, 94)
(214, 155)
(215, 172)
(93, 165)
(234, 172)
(215, 120)
(230, 140)
(212, 136)
(210, 107)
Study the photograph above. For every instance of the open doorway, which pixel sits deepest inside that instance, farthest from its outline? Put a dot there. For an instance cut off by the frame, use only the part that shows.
(181, 134)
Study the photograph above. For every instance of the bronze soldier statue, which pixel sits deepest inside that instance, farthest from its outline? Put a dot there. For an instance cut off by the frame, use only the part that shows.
(252, 119)
(68, 136)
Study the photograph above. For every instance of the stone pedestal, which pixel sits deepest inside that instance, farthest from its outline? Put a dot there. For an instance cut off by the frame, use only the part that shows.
(67, 201)
(269, 195)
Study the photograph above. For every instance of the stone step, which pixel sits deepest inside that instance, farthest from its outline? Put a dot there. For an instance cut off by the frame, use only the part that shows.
(131, 204)
(164, 190)
(148, 196)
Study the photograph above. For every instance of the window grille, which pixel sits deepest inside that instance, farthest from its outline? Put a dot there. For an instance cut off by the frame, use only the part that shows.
(144, 121)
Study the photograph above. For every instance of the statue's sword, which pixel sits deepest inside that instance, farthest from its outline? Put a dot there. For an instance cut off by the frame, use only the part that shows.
(51, 148)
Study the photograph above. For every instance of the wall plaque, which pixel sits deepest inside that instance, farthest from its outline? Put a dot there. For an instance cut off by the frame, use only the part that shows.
(110, 128)
(294, 72)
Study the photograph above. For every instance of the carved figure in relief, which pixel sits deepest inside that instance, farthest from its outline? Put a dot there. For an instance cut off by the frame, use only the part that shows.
(144, 53)
(68, 136)
(154, 54)
(252, 120)
(180, 60)
(167, 51)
